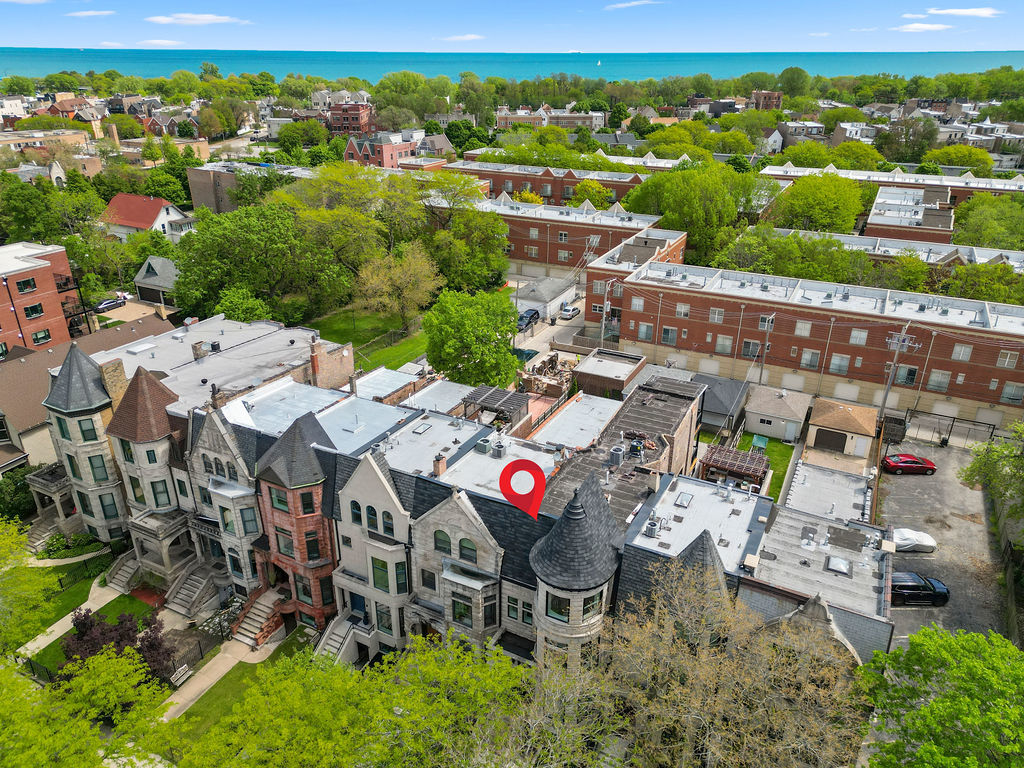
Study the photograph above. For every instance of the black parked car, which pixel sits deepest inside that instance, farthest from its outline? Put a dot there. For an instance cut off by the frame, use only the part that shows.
(910, 587)
(526, 319)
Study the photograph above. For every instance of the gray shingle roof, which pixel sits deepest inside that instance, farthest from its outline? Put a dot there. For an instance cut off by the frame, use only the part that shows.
(291, 460)
(78, 385)
(581, 551)
(724, 397)
(157, 272)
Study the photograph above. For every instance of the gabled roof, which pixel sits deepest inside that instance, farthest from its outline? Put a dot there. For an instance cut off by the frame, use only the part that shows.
(581, 551)
(157, 272)
(136, 211)
(78, 386)
(141, 416)
(291, 461)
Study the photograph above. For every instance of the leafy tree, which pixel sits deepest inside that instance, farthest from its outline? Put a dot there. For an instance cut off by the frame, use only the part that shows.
(433, 128)
(127, 126)
(584, 142)
(186, 129)
(252, 186)
(459, 132)
(999, 467)
(991, 221)
(469, 338)
(209, 71)
(457, 192)
(159, 183)
(470, 254)
(905, 272)
(806, 154)
(151, 150)
(118, 178)
(826, 203)
(256, 246)
(794, 81)
(948, 700)
(554, 156)
(25, 213)
(210, 124)
(619, 113)
(640, 125)
(830, 118)
(16, 500)
(16, 84)
(856, 155)
(707, 684)
(588, 189)
(974, 158)
(932, 169)
(46, 123)
(907, 141)
(527, 196)
(237, 302)
(399, 283)
(395, 118)
(22, 589)
(740, 164)
(305, 133)
(552, 134)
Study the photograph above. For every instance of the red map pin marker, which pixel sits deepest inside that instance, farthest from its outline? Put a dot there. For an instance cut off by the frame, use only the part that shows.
(528, 502)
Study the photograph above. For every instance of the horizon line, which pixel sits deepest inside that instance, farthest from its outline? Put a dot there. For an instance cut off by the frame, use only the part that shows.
(176, 49)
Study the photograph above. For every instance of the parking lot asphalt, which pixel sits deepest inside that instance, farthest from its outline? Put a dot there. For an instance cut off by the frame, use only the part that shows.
(965, 560)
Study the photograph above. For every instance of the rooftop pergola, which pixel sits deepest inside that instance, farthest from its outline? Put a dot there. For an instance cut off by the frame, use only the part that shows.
(729, 461)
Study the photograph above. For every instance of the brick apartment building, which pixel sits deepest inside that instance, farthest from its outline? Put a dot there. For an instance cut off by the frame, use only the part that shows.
(958, 357)
(555, 185)
(351, 119)
(911, 212)
(765, 100)
(19, 140)
(383, 150)
(39, 301)
(960, 187)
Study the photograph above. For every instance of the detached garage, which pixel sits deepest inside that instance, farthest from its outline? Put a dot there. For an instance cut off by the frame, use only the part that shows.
(547, 295)
(842, 427)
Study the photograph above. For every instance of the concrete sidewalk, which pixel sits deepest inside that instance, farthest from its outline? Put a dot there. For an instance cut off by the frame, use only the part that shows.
(34, 563)
(98, 597)
(231, 653)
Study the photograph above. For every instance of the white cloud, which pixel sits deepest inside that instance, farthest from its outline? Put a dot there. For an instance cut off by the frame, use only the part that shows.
(919, 27)
(864, 29)
(983, 13)
(107, 44)
(83, 14)
(463, 38)
(818, 34)
(161, 43)
(632, 4)
(914, 16)
(195, 19)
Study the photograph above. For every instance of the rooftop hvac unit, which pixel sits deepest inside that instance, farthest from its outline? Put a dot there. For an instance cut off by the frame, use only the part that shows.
(922, 307)
(215, 346)
(498, 451)
(764, 286)
(617, 454)
(483, 445)
(651, 529)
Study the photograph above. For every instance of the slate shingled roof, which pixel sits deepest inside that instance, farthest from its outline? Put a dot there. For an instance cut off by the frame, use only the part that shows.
(141, 416)
(78, 386)
(291, 460)
(581, 551)
(158, 273)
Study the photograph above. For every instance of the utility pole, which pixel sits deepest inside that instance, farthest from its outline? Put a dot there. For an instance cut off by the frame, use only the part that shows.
(899, 342)
(764, 352)
(604, 308)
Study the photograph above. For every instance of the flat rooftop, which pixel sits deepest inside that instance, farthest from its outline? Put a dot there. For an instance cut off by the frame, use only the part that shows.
(413, 446)
(813, 554)
(504, 205)
(250, 354)
(685, 507)
(355, 424)
(537, 170)
(381, 382)
(652, 371)
(1016, 184)
(241, 166)
(639, 249)
(478, 471)
(609, 364)
(872, 302)
(21, 257)
(579, 422)
(273, 407)
(831, 492)
(441, 396)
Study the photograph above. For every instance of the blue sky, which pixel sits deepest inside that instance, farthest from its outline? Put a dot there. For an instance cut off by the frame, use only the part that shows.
(563, 25)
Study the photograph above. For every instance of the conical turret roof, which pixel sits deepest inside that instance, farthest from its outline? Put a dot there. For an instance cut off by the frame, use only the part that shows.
(141, 416)
(291, 461)
(581, 551)
(78, 387)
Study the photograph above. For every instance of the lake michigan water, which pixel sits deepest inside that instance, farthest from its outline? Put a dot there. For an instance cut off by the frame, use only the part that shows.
(36, 62)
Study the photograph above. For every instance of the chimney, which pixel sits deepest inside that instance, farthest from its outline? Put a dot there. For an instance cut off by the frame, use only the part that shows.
(440, 465)
(198, 351)
(112, 135)
(352, 384)
(217, 398)
(114, 381)
(330, 370)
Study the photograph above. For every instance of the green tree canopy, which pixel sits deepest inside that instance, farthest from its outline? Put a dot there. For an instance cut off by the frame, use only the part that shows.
(305, 133)
(907, 140)
(22, 589)
(974, 158)
(127, 126)
(830, 118)
(948, 700)
(826, 203)
(159, 183)
(991, 221)
(399, 283)
(469, 338)
(470, 254)
(588, 189)
(237, 302)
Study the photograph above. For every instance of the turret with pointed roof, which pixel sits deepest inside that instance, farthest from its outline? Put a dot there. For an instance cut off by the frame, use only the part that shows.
(291, 461)
(141, 416)
(78, 386)
(581, 551)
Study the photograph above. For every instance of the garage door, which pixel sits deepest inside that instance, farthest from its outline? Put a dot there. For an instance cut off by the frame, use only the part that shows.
(793, 381)
(847, 392)
(708, 366)
(829, 440)
(988, 415)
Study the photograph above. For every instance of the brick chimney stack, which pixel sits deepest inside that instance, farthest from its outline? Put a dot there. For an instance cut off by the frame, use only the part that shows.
(440, 464)
(114, 381)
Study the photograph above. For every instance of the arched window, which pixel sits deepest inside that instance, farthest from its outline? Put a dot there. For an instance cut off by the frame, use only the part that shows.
(207, 464)
(357, 512)
(467, 550)
(389, 524)
(218, 467)
(232, 473)
(371, 518)
(442, 542)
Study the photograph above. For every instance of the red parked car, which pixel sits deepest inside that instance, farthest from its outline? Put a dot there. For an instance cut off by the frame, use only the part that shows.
(907, 464)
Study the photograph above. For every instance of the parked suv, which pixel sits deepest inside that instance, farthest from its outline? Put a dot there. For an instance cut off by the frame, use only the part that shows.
(526, 319)
(910, 587)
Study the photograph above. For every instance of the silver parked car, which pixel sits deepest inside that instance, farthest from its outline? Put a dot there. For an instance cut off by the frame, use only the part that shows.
(908, 540)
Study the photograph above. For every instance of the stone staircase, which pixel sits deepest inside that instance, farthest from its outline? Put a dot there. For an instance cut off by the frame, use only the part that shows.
(333, 640)
(259, 621)
(41, 530)
(191, 591)
(122, 573)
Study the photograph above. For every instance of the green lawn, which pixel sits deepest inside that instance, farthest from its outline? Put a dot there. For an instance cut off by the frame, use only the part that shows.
(229, 690)
(779, 455)
(396, 355)
(355, 325)
(706, 437)
(52, 656)
(60, 604)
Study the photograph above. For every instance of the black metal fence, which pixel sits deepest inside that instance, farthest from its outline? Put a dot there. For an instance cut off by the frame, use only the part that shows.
(87, 569)
(38, 671)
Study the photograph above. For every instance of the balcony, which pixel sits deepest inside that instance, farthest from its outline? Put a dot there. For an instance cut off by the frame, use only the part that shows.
(49, 480)
(201, 525)
(65, 283)
(73, 307)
